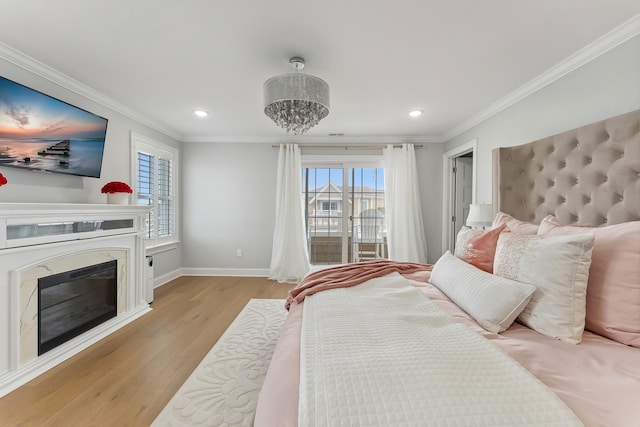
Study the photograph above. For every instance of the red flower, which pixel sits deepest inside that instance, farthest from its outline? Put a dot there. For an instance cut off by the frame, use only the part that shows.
(116, 187)
(3, 180)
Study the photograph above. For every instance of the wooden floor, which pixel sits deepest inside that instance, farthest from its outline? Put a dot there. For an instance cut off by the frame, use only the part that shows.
(127, 378)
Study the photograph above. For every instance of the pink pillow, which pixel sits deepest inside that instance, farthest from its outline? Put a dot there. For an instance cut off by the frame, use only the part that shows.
(613, 289)
(514, 225)
(478, 247)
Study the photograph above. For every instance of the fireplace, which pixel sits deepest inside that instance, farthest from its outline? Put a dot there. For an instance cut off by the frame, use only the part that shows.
(72, 302)
(78, 259)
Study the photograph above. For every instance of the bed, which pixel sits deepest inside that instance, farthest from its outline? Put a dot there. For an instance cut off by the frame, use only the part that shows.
(533, 322)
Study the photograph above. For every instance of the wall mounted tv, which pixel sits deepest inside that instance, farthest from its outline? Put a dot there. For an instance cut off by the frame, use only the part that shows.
(42, 133)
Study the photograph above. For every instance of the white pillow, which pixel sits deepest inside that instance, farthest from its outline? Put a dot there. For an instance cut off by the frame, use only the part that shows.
(558, 266)
(494, 302)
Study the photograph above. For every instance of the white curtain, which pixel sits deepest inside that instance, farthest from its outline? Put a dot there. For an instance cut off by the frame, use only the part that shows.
(289, 256)
(405, 230)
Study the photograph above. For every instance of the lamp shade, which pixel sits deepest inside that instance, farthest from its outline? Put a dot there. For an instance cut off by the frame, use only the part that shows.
(294, 101)
(480, 215)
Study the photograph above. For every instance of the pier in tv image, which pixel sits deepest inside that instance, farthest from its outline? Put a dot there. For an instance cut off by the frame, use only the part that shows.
(42, 133)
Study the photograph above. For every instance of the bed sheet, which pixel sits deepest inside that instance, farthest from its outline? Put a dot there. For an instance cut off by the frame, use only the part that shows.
(598, 379)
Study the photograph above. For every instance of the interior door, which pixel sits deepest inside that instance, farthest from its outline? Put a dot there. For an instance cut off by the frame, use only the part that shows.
(463, 189)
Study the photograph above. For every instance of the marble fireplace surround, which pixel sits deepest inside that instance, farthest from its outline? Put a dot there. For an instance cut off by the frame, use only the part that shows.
(26, 282)
(70, 236)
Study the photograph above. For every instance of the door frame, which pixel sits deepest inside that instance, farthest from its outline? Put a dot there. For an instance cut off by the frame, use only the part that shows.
(447, 188)
(344, 162)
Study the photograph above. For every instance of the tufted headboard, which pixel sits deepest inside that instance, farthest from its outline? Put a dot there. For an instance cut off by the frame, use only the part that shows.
(589, 175)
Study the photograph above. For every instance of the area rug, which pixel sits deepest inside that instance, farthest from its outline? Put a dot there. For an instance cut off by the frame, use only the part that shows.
(223, 390)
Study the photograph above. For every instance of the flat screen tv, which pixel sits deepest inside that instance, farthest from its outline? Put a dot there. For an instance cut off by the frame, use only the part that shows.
(44, 134)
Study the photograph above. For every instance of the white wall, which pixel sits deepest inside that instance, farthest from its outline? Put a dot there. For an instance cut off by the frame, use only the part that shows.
(605, 87)
(37, 187)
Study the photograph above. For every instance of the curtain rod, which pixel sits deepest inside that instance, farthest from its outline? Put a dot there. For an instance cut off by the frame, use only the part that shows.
(349, 147)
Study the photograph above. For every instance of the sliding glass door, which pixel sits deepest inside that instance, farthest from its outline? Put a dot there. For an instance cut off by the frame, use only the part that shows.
(344, 223)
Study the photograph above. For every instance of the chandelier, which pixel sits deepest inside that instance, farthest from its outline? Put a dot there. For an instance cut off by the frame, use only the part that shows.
(295, 101)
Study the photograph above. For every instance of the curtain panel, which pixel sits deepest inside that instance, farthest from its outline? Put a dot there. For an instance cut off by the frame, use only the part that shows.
(405, 230)
(289, 255)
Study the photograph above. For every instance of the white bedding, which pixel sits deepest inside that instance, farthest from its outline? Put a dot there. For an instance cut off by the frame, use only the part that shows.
(428, 367)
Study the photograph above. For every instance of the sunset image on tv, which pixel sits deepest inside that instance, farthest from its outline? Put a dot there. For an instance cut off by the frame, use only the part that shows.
(43, 133)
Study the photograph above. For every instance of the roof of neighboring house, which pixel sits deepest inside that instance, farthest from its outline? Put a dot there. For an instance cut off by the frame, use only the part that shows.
(333, 188)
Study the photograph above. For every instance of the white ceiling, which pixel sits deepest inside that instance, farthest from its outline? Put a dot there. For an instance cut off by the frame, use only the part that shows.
(454, 59)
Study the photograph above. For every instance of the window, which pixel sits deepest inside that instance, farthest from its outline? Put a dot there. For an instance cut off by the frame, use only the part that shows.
(329, 206)
(155, 182)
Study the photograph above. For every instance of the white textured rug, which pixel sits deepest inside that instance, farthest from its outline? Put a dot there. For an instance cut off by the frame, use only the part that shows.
(223, 390)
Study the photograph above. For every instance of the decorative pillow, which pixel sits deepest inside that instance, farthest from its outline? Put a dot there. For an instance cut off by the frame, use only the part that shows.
(478, 247)
(559, 268)
(494, 302)
(613, 290)
(514, 225)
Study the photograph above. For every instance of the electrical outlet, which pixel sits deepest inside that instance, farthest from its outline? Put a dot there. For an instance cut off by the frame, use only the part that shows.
(239, 252)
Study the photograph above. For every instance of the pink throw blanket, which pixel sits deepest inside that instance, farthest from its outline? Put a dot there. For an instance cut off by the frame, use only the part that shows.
(344, 276)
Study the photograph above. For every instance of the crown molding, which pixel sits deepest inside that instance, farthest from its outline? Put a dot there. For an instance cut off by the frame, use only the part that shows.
(624, 32)
(321, 139)
(38, 68)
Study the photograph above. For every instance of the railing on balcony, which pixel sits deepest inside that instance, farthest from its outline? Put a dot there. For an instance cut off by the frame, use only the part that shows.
(324, 250)
(326, 213)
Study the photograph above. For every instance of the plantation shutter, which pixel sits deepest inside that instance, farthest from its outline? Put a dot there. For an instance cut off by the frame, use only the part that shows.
(156, 173)
(146, 188)
(165, 198)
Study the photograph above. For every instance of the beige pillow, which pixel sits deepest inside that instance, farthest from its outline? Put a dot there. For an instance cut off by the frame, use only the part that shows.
(613, 290)
(514, 225)
(494, 302)
(558, 267)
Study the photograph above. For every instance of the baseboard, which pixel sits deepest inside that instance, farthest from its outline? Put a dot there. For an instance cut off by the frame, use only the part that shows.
(239, 272)
(166, 278)
(230, 272)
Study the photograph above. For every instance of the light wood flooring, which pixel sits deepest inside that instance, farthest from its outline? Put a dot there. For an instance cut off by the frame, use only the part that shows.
(127, 378)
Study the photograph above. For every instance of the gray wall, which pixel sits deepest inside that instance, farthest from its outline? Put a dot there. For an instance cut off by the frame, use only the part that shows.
(429, 164)
(228, 197)
(228, 190)
(228, 204)
(36, 187)
(605, 87)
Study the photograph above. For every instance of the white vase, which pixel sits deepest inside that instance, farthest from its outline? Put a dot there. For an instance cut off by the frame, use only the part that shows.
(118, 198)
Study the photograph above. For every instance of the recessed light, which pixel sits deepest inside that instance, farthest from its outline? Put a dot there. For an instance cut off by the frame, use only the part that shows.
(200, 113)
(416, 113)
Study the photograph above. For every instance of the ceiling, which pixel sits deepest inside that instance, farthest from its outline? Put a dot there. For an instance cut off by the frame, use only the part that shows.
(162, 59)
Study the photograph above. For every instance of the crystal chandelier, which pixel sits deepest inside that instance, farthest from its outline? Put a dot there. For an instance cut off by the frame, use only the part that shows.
(296, 102)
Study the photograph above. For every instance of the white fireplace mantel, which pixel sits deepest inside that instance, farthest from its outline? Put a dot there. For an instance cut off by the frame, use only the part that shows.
(41, 239)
